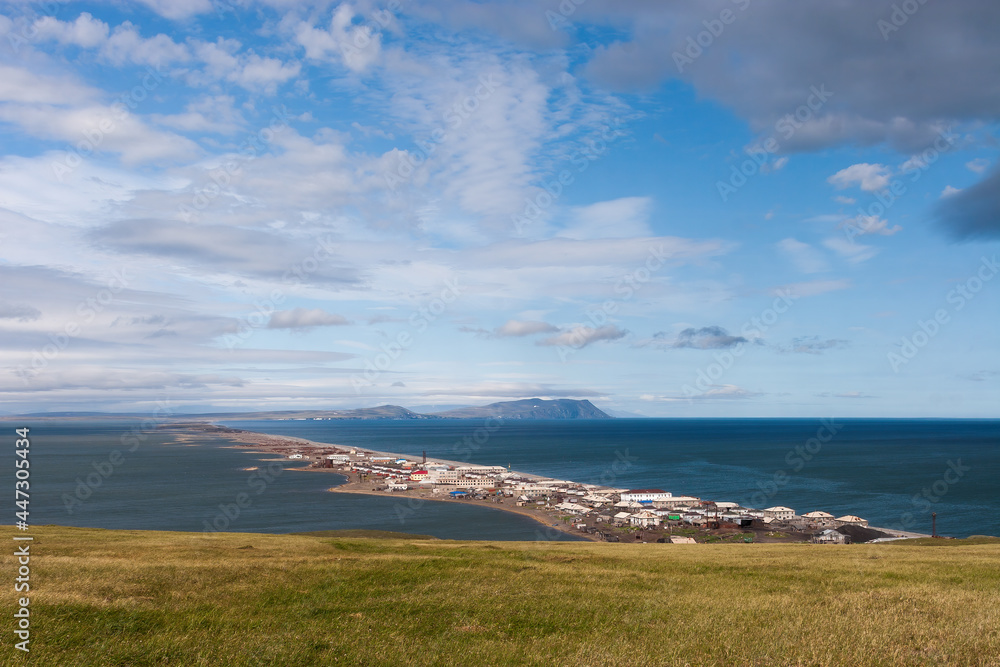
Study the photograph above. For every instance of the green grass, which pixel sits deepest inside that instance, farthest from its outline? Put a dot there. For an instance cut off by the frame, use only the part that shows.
(153, 598)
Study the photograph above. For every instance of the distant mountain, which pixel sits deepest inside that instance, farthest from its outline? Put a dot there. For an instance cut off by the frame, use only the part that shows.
(530, 408)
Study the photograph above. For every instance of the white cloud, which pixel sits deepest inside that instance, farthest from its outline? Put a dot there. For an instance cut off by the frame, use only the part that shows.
(618, 218)
(869, 177)
(24, 86)
(582, 336)
(805, 258)
(855, 253)
(979, 165)
(355, 46)
(949, 191)
(179, 9)
(522, 328)
(303, 318)
(870, 224)
(126, 45)
(86, 31)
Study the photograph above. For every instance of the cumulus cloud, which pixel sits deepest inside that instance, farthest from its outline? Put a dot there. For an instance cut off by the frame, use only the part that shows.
(303, 318)
(581, 336)
(869, 177)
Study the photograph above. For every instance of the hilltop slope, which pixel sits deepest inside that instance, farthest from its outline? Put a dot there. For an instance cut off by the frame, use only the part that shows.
(101, 597)
(530, 408)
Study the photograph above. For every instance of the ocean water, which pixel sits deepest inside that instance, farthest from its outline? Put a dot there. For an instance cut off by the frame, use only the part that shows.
(892, 472)
(77, 479)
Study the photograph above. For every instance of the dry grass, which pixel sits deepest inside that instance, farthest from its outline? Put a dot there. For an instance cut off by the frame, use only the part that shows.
(147, 598)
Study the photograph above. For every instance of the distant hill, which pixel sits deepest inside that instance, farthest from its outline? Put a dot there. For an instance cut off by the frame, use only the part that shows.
(530, 408)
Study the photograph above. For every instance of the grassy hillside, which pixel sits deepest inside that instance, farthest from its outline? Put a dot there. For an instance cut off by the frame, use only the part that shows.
(153, 598)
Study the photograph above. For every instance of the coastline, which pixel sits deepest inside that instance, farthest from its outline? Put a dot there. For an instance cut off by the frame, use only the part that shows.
(266, 443)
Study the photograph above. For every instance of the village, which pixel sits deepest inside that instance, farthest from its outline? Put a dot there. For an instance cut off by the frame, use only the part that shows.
(593, 512)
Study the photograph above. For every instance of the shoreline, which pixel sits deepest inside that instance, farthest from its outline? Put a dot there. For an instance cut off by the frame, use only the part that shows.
(266, 443)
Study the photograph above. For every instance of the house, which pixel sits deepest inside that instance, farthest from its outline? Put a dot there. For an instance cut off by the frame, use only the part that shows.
(419, 475)
(396, 486)
(780, 513)
(852, 520)
(621, 518)
(573, 508)
(831, 537)
(295, 456)
(644, 519)
(677, 539)
(645, 495)
(817, 516)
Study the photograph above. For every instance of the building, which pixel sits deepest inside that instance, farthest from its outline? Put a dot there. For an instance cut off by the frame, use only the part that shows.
(852, 520)
(645, 495)
(677, 539)
(780, 513)
(831, 537)
(644, 519)
(676, 501)
(419, 475)
(573, 508)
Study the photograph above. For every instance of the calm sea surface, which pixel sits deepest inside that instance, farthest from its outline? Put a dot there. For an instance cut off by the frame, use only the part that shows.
(892, 472)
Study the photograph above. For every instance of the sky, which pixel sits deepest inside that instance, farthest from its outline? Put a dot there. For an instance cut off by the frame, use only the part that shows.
(727, 208)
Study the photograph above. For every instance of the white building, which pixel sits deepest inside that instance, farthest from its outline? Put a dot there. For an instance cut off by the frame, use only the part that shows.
(644, 519)
(852, 520)
(780, 513)
(645, 495)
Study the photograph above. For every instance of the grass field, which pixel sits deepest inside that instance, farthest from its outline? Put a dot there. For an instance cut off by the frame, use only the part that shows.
(151, 598)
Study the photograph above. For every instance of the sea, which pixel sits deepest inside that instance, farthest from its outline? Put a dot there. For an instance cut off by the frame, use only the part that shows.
(126, 474)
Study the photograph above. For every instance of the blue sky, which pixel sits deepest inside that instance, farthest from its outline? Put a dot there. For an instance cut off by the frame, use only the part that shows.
(724, 208)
